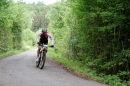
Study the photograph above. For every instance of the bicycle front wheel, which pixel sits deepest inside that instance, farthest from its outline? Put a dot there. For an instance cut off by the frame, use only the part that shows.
(43, 59)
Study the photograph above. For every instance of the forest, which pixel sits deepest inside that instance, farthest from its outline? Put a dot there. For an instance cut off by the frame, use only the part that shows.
(94, 33)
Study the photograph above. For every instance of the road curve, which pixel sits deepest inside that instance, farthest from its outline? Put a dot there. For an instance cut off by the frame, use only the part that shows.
(20, 70)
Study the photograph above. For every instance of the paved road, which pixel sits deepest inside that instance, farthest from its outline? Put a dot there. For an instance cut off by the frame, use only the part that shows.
(20, 70)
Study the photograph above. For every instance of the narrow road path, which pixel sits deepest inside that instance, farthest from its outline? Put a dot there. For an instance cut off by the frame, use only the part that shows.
(20, 70)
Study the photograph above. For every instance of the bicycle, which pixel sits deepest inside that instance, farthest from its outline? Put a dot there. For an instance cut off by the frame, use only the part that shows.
(42, 56)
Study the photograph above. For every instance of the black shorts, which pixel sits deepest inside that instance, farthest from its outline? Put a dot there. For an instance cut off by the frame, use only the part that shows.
(40, 43)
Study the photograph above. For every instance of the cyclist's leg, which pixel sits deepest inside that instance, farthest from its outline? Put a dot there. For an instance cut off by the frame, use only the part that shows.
(38, 52)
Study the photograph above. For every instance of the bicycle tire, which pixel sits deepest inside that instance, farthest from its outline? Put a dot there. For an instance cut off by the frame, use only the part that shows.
(42, 61)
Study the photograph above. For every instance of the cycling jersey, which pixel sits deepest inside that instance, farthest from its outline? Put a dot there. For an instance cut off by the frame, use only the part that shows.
(43, 38)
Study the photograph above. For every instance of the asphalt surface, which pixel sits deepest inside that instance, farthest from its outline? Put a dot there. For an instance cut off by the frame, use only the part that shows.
(20, 70)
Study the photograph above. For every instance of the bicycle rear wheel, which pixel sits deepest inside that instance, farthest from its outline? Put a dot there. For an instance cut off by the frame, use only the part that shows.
(43, 59)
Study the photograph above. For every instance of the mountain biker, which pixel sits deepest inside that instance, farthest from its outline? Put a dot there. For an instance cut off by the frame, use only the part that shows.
(42, 38)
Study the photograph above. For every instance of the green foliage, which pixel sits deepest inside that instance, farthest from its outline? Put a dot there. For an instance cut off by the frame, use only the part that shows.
(56, 27)
(92, 32)
(39, 17)
(4, 37)
(28, 38)
(101, 30)
(13, 20)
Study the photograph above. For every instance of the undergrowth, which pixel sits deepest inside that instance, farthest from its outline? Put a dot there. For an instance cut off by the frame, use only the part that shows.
(81, 69)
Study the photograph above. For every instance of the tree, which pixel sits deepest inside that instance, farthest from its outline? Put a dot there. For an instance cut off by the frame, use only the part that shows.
(40, 21)
(13, 21)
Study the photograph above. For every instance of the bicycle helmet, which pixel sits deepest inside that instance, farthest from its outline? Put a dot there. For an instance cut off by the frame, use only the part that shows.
(44, 30)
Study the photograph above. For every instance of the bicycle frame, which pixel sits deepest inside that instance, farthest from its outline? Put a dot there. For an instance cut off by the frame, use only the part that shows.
(43, 47)
(42, 58)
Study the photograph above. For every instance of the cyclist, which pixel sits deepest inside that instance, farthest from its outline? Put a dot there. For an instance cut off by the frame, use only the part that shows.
(42, 38)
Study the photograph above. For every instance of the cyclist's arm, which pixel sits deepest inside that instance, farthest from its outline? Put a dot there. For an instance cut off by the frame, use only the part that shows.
(38, 37)
(52, 39)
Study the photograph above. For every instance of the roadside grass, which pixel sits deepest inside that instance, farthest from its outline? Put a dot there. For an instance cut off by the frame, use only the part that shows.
(71, 65)
(83, 71)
